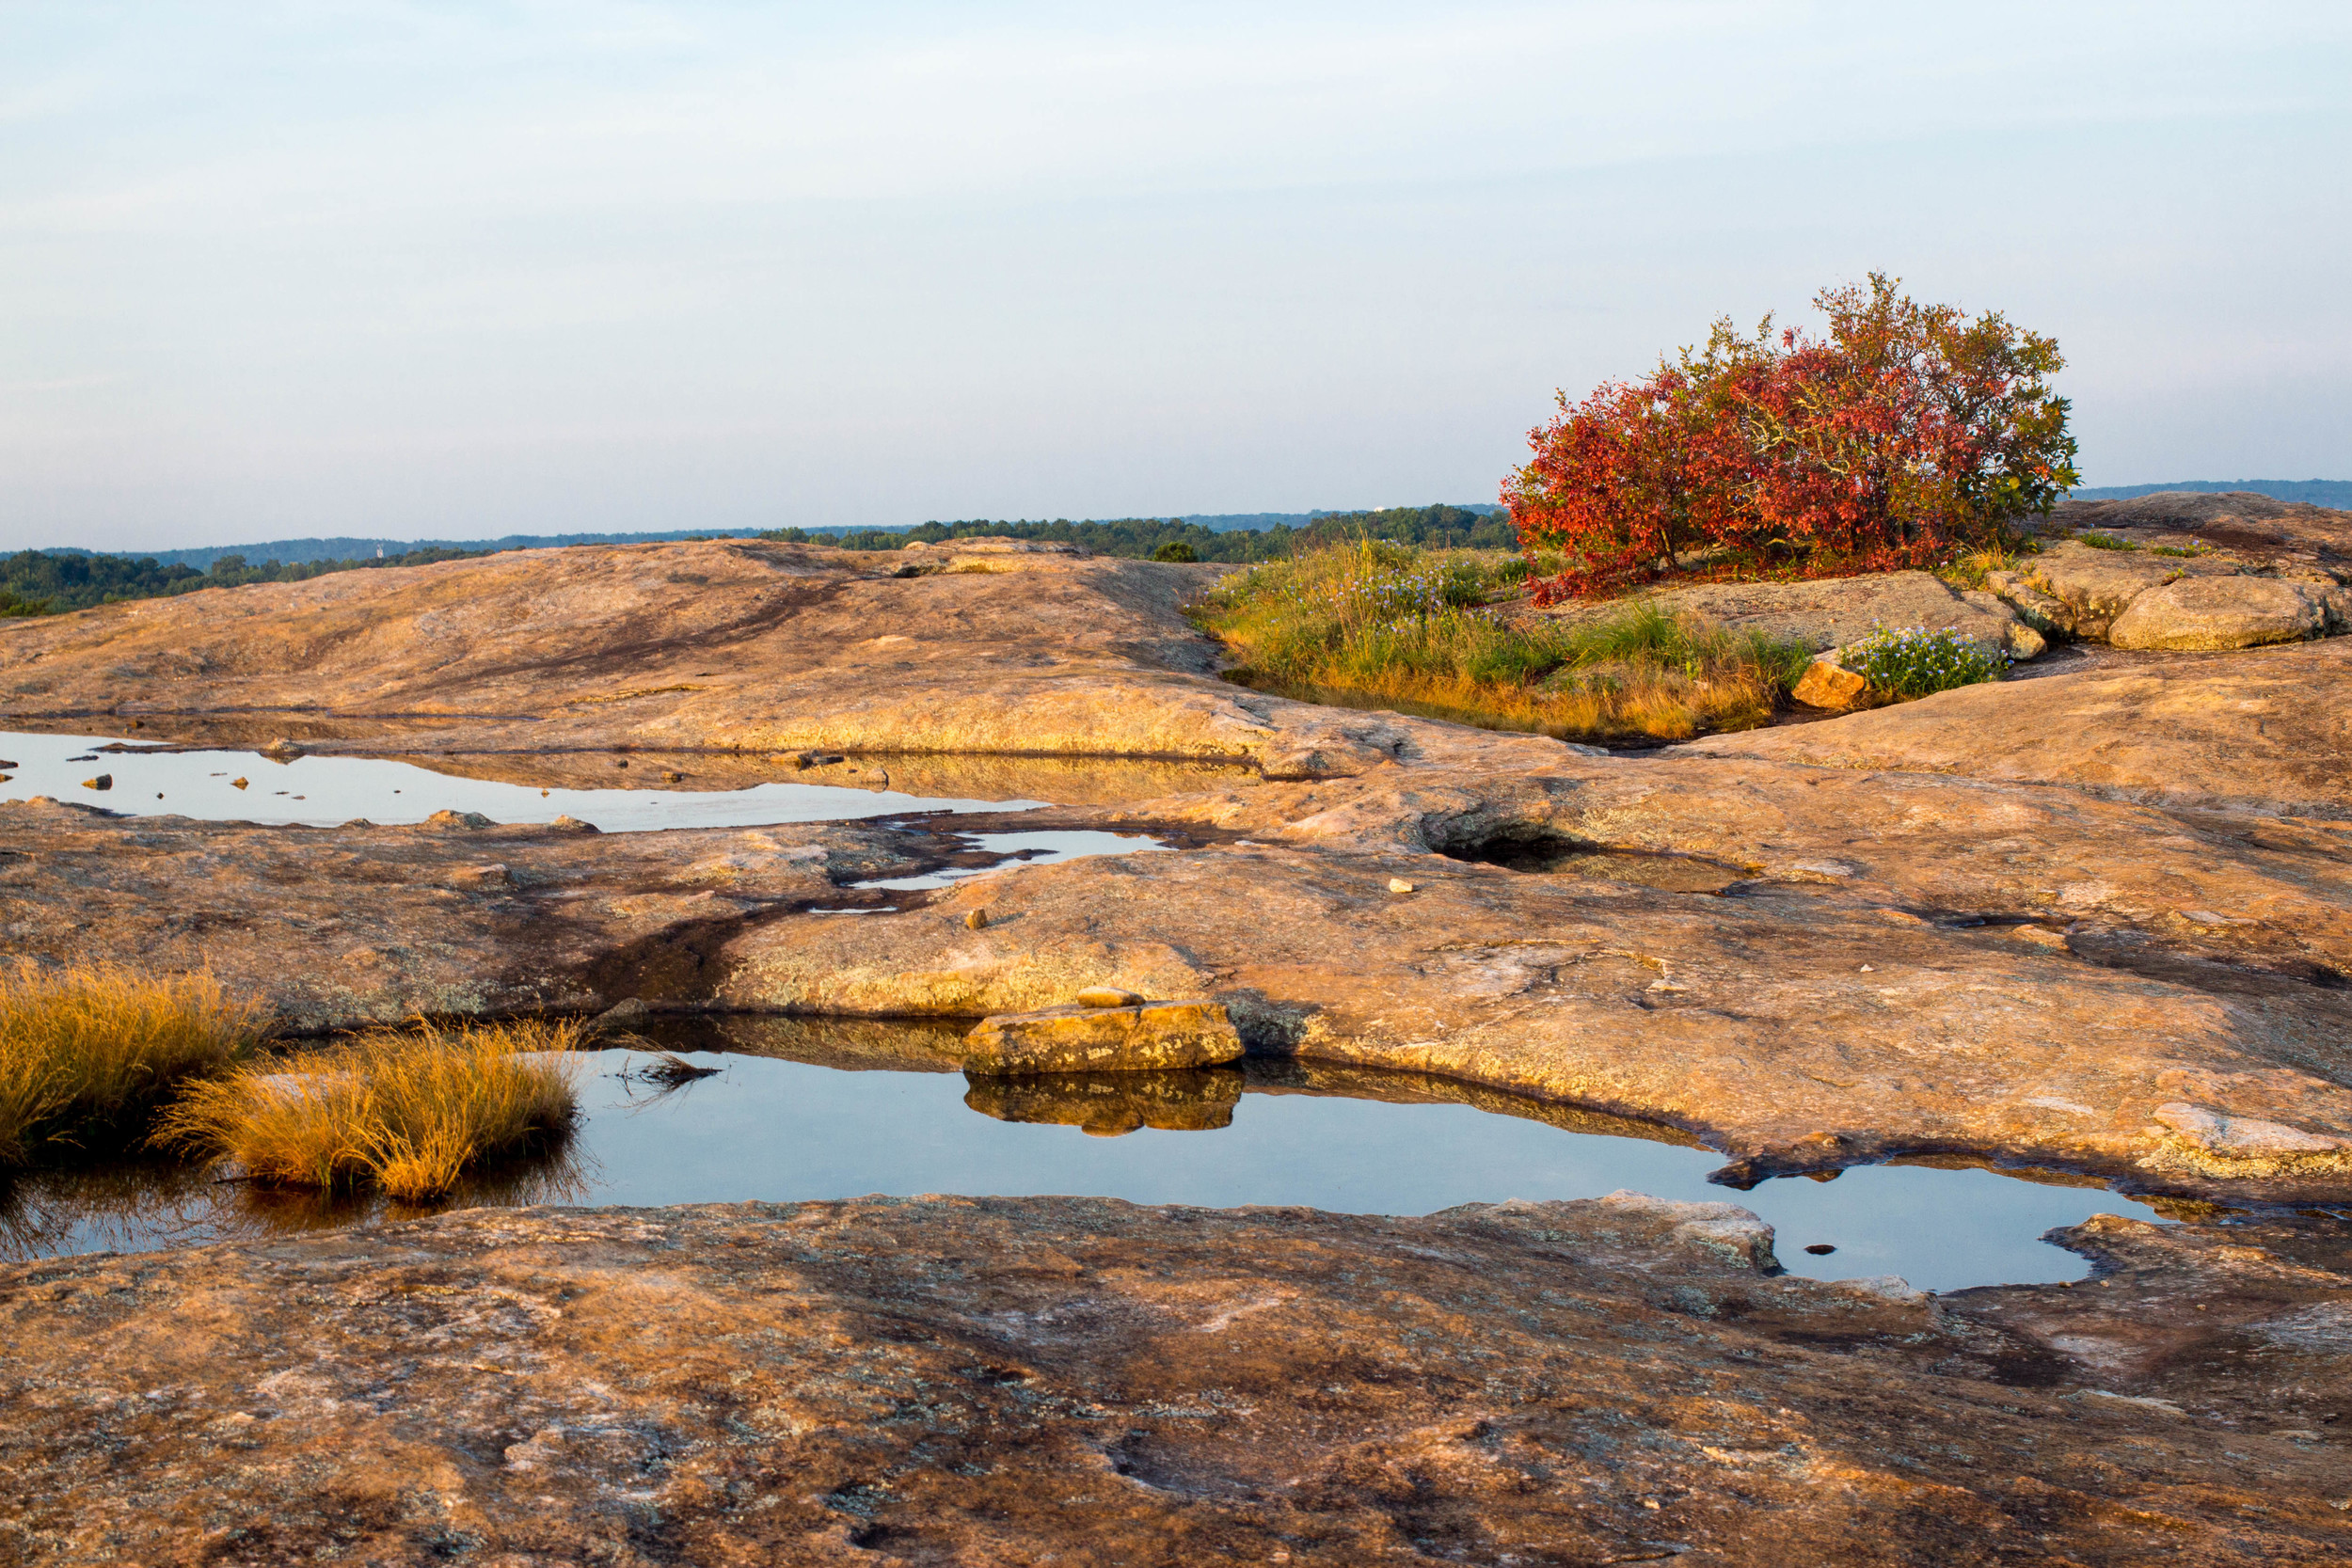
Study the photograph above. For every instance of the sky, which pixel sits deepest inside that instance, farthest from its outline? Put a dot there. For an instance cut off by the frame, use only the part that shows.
(385, 268)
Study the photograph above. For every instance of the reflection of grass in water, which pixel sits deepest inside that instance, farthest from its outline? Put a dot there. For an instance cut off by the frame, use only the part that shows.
(142, 1205)
(407, 1111)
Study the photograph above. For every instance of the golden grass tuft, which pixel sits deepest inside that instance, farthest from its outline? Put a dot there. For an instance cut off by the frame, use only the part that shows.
(409, 1111)
(87, 1053)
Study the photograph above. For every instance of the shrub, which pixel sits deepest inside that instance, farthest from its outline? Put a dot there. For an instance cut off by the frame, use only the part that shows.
(1908, 431)
(87, 1053)
(1914, 661)
(1177, 550)
(1375, 622)
(2107, 542)
(409, 1111)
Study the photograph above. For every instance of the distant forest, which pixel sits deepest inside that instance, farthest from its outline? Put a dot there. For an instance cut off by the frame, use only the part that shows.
(48, 582)
(1139, 538)
(2317, 492)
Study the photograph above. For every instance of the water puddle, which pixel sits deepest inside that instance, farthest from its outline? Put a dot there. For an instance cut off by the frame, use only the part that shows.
(323, 791)
(878, 1108)
(999, 851)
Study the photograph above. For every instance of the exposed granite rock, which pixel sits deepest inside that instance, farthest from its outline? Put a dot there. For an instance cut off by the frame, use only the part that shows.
(2205, 614)
(2268, 730)
(1841, 993)
(1826, 683)
(727, 646)
(1089, 1037)
(945, 1380)
(2094, 586)
(2278, 534)
(337, 927)
(1832, 612)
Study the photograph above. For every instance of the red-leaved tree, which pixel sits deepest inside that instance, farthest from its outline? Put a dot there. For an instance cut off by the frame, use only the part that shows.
(1908, 431)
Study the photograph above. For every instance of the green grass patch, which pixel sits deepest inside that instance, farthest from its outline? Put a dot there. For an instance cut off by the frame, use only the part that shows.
(2105, 542)
(1370, 623)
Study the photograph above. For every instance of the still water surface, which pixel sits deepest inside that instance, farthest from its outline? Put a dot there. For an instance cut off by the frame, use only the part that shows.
(763, 1128)
(322, 791)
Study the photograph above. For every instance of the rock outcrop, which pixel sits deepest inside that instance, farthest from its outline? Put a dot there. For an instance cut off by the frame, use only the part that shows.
(2266, 731)
(2012, 964)
(1833, 613)
(950, 1380)
(1144, 1036)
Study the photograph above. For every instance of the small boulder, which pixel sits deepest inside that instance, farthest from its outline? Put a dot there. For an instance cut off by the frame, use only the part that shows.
(1150, 1036)
(2095, 586)
(458, 819)
(104, 781)
(2210, 615)
(574, 825)
(976, 921)
(239, 784)
(1829, 684)
(1108, 996)
(1398, 885)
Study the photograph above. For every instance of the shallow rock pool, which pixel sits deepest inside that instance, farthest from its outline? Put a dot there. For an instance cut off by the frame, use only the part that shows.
(880, 1113)
(322, 791)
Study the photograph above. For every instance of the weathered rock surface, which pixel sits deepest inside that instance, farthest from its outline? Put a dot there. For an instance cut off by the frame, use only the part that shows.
(2268, 730)
(1835, 612)
(2273, 532)
(1148, 1037)
(943, 1380)
(1826, 683)
(729, 646)
(336, 927)
(2204, 614)
(1844, 1007)
(1847, 991)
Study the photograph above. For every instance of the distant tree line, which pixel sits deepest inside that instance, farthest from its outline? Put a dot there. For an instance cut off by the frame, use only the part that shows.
(1167, 538)
(48, 582)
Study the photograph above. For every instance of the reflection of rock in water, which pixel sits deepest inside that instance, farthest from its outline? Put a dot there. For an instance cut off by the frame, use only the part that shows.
(1301, 1075)
(849, 1044)
(1106, 1104)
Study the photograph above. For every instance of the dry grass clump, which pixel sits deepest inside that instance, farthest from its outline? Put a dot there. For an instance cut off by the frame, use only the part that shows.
(1373, 622)
(409, 1111)
(88, 1052)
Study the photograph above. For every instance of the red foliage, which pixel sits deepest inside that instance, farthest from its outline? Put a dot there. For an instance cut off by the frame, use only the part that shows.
(1907, 430)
